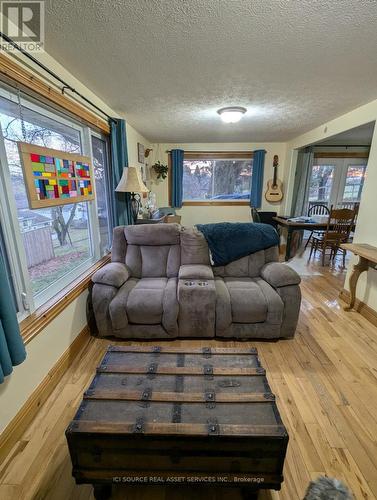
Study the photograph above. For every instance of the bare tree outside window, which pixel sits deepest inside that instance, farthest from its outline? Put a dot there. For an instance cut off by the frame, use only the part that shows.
(56, 240)
(217, 179)
(321, 183)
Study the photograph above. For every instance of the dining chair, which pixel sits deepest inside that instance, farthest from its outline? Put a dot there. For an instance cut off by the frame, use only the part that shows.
(316, 209)
(265, 217)
(254, 215)
(339, 225)
(353, 205)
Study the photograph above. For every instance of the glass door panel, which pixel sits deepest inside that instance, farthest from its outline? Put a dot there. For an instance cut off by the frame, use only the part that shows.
(101, 170)
(321, 183)
(353, 182)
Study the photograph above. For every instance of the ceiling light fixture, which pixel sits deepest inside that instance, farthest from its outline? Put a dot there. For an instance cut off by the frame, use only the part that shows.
(232, 114)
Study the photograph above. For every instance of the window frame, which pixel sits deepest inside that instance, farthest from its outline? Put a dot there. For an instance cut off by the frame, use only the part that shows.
(106, 140)
(27, 303)
(210, 155)
(340, 161)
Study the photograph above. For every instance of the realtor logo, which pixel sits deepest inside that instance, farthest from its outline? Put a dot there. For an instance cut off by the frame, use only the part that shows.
(23, 22)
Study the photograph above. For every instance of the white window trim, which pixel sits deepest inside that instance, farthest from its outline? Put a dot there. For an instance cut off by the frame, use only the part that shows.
(340, 174)
(103, 138)
(27, 303)
(12, 237)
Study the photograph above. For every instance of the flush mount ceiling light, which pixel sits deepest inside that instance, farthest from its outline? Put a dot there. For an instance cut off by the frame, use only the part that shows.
(232, 114)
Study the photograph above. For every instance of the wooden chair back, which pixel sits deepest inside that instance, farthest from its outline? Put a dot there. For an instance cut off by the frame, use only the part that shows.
(318, 209)
(340, 224)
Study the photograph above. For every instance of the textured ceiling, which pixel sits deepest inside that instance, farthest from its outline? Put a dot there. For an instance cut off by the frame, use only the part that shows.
(168, 65)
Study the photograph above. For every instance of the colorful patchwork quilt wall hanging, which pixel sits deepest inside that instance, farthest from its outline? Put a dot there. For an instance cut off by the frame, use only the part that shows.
(53, 177)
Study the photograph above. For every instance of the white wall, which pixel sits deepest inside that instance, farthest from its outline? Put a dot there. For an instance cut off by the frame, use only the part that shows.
(46, 348)
(366, 228)
(42, 354)
(192, 215)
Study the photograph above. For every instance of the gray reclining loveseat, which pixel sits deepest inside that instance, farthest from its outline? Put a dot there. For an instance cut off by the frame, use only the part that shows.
(160, 284)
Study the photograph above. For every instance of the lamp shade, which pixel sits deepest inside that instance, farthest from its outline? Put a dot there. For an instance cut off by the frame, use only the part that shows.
(131, 182)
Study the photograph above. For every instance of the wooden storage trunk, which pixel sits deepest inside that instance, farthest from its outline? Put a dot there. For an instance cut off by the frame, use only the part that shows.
(166, 415)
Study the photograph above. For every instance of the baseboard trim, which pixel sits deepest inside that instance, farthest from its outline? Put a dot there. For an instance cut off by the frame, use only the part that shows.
(18, 425)
(366, 311)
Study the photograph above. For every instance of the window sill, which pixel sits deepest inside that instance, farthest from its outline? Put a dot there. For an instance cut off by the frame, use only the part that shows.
(227, 203)
(36, 322)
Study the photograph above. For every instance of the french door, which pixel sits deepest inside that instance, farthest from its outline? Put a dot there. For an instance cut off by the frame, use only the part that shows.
(337, 181)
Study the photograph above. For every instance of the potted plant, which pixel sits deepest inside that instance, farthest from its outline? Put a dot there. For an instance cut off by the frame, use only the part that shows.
(161, 170)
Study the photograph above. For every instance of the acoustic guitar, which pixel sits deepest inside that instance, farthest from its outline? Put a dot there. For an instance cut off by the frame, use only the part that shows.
(274, 191)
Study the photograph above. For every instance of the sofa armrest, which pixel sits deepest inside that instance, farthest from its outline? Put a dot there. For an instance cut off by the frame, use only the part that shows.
(113, 274)
(278, 275)
(195, 271)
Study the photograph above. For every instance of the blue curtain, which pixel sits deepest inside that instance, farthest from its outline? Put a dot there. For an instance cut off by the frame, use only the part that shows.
(177, 177)
(257, 178)
(121, 205)
(12, 349)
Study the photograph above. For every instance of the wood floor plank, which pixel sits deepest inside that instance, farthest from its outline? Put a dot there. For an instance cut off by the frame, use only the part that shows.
(325, 381)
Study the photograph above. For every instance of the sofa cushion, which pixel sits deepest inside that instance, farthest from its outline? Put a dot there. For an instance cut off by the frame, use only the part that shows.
(278, 275)
(145, 261)
(194, 248)
(146, 303)
(252, 300)
(249, 266)
(199, 271)
(153, 234)
(113, 274)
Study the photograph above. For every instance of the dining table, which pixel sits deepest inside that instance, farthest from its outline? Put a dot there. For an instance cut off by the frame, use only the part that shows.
(291, 226)
(367, 260)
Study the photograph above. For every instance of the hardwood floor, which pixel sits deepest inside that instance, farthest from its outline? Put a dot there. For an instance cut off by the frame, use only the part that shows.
(325, 381)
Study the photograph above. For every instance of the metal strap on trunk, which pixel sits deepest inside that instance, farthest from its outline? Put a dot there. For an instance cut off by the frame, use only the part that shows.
(146, 396)
(152, 370)
(269, 396)
(177, 413)
(210, 399)
(103, 365)
(179, 383)
(139, 425)
(208, 371)
(207, 352)
(213, 427)
(181, 359)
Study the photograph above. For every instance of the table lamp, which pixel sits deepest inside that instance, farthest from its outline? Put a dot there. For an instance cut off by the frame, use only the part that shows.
(131, 182)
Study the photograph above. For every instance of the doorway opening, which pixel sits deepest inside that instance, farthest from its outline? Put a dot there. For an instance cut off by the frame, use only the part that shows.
(330, 176)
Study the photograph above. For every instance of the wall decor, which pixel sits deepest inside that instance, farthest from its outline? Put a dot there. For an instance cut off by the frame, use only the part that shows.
(140, 152)
(161, 170)
(54, 177)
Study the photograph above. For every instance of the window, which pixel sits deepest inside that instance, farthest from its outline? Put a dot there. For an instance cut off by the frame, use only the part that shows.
(101, 169)
(338, 180)
(49, 247)
(321, 183)
(355, 176)
(216, 177)
(8, 270)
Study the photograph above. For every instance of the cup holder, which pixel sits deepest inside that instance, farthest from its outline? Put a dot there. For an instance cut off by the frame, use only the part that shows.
(193, 283)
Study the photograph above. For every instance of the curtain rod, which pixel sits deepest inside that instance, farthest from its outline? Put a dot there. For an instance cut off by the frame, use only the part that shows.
(214, 152)
(66, 85)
